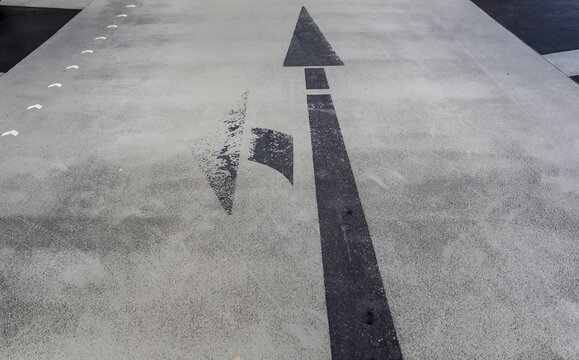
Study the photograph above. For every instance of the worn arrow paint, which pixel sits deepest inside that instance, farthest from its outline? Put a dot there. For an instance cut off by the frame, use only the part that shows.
(274, 149)
(218, 154)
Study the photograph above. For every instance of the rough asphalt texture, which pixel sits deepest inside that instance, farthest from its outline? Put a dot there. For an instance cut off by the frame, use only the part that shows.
(463, 142)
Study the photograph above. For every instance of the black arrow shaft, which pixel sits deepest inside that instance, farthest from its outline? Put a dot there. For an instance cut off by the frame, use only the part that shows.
(360, 322)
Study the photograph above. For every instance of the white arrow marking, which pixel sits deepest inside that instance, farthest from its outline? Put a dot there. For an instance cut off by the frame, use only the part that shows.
(87, 52)
(101, 38)
(72, 67)
(36, 106)
(11, 132)
(131, 6)
(58, 85)
(122, 15)
(112, 27)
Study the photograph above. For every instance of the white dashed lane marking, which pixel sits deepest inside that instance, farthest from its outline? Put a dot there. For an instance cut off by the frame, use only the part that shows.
(71, 67)
(11, 132)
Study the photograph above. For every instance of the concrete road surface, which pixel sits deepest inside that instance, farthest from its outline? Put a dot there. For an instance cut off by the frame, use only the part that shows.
(462, 140)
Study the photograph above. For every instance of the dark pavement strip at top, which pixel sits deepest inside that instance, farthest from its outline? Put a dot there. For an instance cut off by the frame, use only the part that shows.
(548, 26)
(23, 29)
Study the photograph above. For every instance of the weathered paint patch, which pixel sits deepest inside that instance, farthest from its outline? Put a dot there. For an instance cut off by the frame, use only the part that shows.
(274, 149)
(218, 154)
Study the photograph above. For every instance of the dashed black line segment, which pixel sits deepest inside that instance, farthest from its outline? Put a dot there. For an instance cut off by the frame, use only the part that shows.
(316, 79)
(548, 26)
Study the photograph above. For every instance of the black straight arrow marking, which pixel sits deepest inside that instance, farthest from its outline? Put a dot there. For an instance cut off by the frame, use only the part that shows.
(360, 322)
(361, 326)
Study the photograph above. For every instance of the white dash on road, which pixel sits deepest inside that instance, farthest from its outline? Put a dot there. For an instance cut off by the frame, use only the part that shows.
(11, 132)
(112, 27)
(72, 67)
(100, 38)
(131, 6)
(122, 15)
(58, 85)
(36, 106)
(87, 52)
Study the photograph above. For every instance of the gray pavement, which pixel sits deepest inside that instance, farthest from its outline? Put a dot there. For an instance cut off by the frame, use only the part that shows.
(463, 141)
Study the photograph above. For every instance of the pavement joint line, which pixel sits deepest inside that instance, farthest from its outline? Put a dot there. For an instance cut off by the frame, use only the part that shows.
(566, 61)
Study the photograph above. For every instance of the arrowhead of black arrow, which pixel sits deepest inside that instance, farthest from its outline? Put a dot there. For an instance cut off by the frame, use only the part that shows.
(309, 46)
